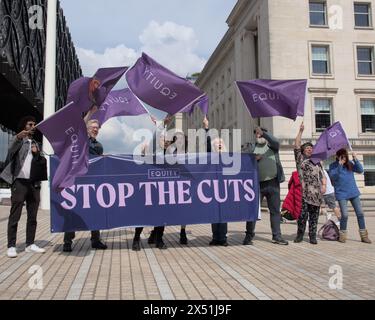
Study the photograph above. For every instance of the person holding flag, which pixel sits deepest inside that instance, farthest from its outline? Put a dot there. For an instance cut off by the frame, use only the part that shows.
(313, 187)
(271, 174)
(342, 175)
(95, 149)
(25, 169)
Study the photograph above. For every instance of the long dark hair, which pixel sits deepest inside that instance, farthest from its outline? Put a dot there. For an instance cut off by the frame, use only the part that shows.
(344, 153)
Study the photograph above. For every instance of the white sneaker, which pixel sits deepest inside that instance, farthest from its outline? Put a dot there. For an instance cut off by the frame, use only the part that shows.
(34, 249)
(12, 252)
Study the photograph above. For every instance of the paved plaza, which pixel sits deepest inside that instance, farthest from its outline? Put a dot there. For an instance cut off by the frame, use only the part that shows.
(197, 271)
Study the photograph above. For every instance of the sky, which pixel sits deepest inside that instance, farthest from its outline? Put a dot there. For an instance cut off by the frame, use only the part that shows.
(179, 34)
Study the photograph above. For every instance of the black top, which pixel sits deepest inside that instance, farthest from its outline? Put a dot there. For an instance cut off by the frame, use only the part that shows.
(95, 147)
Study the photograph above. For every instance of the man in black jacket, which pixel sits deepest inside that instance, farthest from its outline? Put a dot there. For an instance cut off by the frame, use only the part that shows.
(25, 169)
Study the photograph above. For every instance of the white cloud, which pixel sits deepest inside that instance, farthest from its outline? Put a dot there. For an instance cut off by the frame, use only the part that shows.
(170, 44)
(173, 46)
(112, 57)
(116, 134)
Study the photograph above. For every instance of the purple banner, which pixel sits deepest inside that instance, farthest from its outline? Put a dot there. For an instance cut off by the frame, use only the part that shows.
(119, 103)
(67, 133)
(331, 140)
(269, 98)
(118, 192)
(161, 88)
(202, 103)
(86, 92)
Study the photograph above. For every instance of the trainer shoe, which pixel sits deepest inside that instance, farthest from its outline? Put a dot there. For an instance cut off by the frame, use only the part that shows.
(34, 249)
(12, 252)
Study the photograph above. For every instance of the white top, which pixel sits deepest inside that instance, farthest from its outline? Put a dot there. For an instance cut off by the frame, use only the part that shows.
(330, 189)
(26, 168)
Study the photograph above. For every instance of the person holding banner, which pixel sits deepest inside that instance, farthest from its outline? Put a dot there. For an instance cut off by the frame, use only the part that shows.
(342, 175)
(313, 188)
(219, 230)
(180, 146)
(95, 149)
(25, 169)
(156, 235)
(271, 174)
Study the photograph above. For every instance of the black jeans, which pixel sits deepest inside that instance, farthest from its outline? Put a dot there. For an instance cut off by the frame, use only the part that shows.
(23, 190)
(308, 212)
(271, 190)
(159, 232)
(69, 236)
(219, 231)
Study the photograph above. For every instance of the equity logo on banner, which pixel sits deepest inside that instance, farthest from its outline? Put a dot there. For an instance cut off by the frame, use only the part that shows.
(163, 173)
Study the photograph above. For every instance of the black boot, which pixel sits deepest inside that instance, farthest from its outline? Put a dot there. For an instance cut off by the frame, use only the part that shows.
(299, 237)
(136, 244)
(248, 241)
(161, 245)
(183, 238)
(151, 239)
(98, 245)
(312, 237)
(67, 247)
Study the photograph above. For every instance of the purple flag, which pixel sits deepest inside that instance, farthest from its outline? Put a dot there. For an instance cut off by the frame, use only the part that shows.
(202, 103)
(86, 92)
(331, 140)
(119, 103)
(67, 133)
(161, 88)
(269, 98)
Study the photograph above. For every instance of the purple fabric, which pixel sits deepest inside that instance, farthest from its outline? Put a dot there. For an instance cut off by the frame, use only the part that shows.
(119, 103)
(67, 133)
(269, 98)
(159, 87)
(331, 140)
(202, 103)
(79, 90)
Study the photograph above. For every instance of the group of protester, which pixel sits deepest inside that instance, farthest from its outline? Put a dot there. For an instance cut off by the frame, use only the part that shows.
(26, 167)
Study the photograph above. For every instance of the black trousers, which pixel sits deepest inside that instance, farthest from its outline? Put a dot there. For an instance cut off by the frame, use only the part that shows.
(271, 191)
(23, 190)
(219, 231)
(69, 236)
(311, 213)
(159, 232)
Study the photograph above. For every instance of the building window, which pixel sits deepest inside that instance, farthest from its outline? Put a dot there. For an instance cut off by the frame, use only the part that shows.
(318, 13)
(320, 59)
(365, 58)
(323, 113)
(368, 115)
(362, 14)
(369, 167)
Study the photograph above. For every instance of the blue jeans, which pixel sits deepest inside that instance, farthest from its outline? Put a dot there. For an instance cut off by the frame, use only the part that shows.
(356, 203)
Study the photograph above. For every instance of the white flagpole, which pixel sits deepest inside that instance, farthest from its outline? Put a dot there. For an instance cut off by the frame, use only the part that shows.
(49, 90)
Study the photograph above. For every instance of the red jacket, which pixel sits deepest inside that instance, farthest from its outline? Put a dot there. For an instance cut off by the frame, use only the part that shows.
(293, 200)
